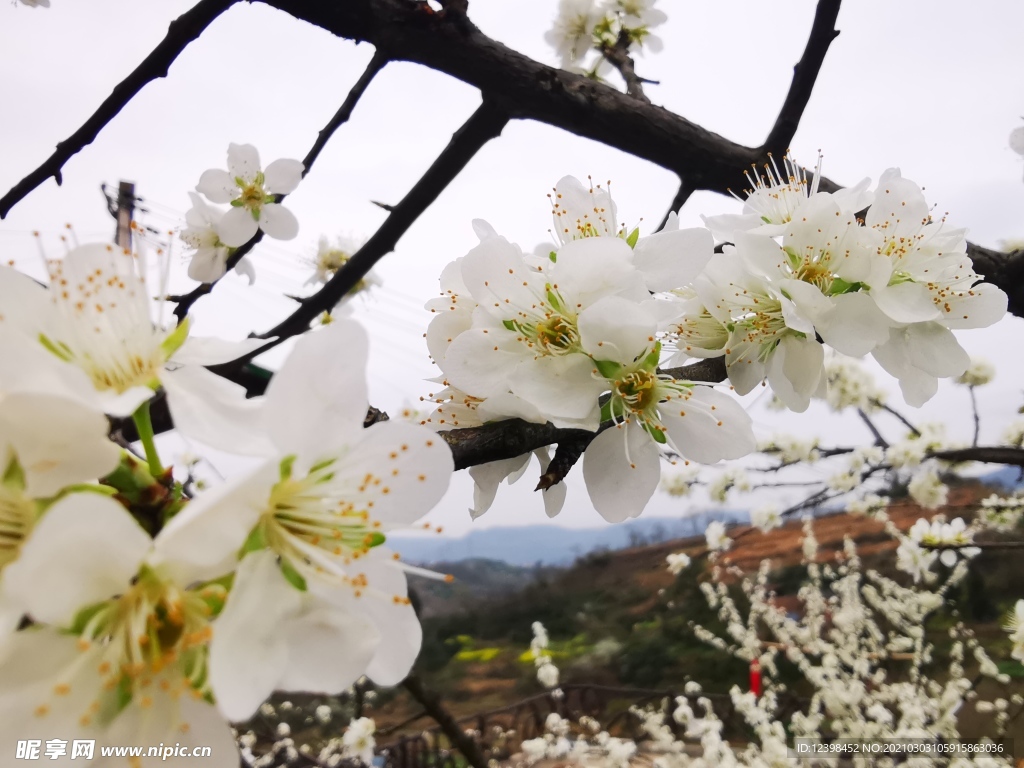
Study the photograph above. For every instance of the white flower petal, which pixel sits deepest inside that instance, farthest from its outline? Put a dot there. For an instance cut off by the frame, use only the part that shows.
(207, 350)
(562, 388)
(318, 399)
(249, 652)
(906, 302)
(98, 547)
(487, 477)
(283, 176)
(855, 326)
(1017, 140)
(622, 469)
(208, 264)
(203, 540)
(209, 408)
(243, 161)
(672, 259)
(26, 303)
(278, 222)
(57, 441)
(237, 227)
(614, 328)
(709, 426)
(218, 185)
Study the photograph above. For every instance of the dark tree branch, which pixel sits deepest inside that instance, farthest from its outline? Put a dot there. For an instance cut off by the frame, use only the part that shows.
(182, 31)
(618, 56)
(431, 702)
(485, 124)
(893, 412)
(986, 454)
(566, 455)
(685, 190)
(805, 73)
(185, 301)
(879, 440)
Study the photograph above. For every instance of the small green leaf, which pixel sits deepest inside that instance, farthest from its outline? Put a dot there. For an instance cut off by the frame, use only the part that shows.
(608, 368)
(766, 220)
(553, 256)
(255, 214)
(292, 576)
(84, 616)
(633, 237)
(375, 539)
(840, 286)
(14, 475)
(237, 203)
(509, 324)
(650, 362)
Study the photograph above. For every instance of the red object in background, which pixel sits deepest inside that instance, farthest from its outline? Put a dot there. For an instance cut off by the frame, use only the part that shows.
(755, 677)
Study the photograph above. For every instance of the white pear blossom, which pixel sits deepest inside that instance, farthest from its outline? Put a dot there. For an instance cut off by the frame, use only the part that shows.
(572, 34)
(96, 316)
(358, 742)
(717, 539)
(766, 518)
(927, 489)
(938, 534)
(310, 523)
(979, 373)
(1015, 626)
(119, 647)
(677, 562)
(251, 192)
(209, 262)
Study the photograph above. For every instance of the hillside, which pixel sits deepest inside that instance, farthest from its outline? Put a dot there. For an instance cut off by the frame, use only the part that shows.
(620, 618)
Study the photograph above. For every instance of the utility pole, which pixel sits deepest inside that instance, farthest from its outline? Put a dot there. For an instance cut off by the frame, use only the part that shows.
(125, 212)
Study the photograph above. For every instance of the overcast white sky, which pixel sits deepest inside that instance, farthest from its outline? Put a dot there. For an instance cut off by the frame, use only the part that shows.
(931, 87)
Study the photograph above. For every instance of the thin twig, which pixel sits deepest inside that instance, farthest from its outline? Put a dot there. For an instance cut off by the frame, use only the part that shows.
(485, 124)
(431, 702)
(879, 440)
(182, 31)
(892, 411)
(618, 56)
(977, 419)
(805, 73)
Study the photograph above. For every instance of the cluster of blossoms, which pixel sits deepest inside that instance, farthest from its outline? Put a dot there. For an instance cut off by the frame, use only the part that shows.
(131, 611)
(928, 541)
(251, 192)
(585, 27)
(858, 647)
(799, 265)
(572, 335)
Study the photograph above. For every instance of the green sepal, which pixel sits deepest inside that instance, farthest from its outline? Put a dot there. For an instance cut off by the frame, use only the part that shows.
(608, 368)
(14, 475)
(606, 411)
(766, 220)
(318, 466)
(657, 435)
(509, 324)
(122, 694)
(215, 593)
(255, 214)
(292, 576)
(173, 341)
(553, 256)
(633, 237)
(650, 362)
(286, 467)
(554, 300)
(375, 539)
(237, 202)
(840, 286)
(57, 348)
(254, 542)
(84, 616)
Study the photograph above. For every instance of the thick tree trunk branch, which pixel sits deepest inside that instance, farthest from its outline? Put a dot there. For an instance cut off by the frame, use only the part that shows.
(182, 31)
